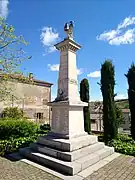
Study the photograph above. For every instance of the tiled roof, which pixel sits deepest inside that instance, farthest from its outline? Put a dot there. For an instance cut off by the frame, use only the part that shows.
(35, 81)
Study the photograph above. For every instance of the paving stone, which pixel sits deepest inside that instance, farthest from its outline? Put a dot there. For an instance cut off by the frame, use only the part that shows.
(17, 170)
(120, 168)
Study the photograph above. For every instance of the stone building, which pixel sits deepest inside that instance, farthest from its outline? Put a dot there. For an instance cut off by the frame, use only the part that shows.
(96, 115)
(32, 98)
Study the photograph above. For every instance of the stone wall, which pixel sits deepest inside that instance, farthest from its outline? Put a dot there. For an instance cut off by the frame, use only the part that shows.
(32, 99)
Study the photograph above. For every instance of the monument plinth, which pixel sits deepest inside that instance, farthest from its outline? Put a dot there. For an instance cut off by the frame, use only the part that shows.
(67, 148)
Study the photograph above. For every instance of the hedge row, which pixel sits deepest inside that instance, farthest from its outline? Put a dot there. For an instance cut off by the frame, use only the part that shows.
(15, 134)
(17, 128)
(13, 145)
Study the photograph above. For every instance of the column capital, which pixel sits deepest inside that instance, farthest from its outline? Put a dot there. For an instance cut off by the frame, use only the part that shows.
(68, 44)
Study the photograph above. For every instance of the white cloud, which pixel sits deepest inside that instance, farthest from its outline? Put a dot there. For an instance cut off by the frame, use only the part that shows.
(79, 71)
(94, 74)
(121, 96)
(127, 38)
(120, 35)
(51, 49)
(108, 35)
(53, 67)
(48, 38)
(127, 22)
(4, 8)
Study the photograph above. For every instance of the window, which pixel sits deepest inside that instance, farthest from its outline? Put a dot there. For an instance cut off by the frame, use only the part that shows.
(39, 115)
(93, 120)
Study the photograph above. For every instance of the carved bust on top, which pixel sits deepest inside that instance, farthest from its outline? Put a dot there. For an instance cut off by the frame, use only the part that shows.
(68, 28)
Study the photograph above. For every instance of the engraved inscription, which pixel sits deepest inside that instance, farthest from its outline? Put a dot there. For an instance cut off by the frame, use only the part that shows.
(72, 81)
(65, 121)
(57, 119)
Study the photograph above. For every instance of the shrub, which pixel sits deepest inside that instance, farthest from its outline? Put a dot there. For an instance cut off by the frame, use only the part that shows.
(12, 145)
(12, 112)
(119, 116)
(16, 129)
(124, 144)
(125, 138)
(127, 148)
(45, 127)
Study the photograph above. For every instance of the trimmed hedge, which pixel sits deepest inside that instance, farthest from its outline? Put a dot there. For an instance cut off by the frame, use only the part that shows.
(17, 128)
(15, 134)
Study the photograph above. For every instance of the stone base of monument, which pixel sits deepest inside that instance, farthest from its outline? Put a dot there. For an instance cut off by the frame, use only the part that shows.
(67, 156)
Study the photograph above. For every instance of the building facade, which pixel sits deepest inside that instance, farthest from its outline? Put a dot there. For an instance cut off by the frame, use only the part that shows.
(96, 116)
(32, 98)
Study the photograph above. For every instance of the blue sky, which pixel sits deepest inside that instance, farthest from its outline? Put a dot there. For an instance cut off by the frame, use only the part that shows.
(104, 28)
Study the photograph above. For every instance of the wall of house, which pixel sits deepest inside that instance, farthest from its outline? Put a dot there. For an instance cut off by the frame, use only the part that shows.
(96, 125)
(97, 122)
(126, 124)
(32, 99)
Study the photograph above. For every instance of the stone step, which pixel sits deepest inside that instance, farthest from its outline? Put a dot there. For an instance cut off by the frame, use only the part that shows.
(106, 151)
(67, 145)
(70, 168)
(67, 156)
(93, 158)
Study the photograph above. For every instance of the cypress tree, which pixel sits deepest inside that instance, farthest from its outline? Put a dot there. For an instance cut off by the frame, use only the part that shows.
(84, 96)
(107, 88)
(131, 97)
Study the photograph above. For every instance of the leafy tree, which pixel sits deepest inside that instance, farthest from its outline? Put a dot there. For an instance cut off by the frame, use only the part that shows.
(131, 96)
(11, 56)
(98, 106)
(107, 88)
(126, 106)
(12, 112)
(119, 116)
(84, 95)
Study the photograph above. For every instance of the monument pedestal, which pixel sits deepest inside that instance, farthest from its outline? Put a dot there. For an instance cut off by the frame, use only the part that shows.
(67, 148)
(67, 109)
(67, 119)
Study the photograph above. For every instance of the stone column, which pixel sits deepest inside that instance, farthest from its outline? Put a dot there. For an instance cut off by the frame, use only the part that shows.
(67, 109)
(67, 81)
